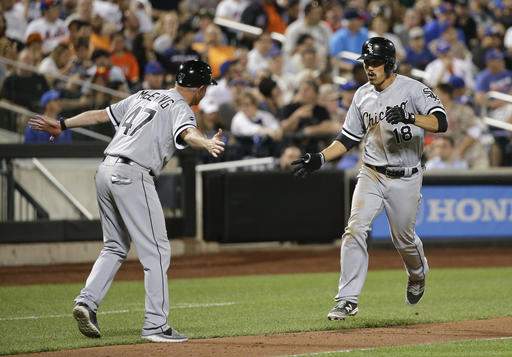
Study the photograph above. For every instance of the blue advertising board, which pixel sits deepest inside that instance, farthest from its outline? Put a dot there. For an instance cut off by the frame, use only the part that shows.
(459, 212)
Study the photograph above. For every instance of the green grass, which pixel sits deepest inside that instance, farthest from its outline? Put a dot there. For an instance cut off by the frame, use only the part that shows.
(480, 348)
(262, 304)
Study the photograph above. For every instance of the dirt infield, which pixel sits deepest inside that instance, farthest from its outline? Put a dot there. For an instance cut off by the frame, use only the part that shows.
(308, 342)
(283, 262)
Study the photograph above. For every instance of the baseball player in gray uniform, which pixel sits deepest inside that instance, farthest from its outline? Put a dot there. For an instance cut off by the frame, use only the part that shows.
(150, 126)
(389, 115)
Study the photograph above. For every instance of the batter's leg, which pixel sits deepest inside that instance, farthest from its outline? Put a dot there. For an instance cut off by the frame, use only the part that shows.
(115, 248)
(367, 203)
(140, 207)
(401, 206)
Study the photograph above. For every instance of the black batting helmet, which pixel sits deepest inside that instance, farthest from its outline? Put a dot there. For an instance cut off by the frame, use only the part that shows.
(194, 74)
(380, 48)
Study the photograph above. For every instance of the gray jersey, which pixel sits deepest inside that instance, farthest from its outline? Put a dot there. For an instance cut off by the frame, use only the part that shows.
(385, 144)
(148, 125)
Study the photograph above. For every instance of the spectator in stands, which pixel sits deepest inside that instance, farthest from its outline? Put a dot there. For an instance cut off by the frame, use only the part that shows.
(231, 9)
(272, 96)
(333, 15)
(259, 56)
(417, 53)
(458, 47)
(412, 18)
(204, 19)
(142, 10)
(81, 62)
(294, 59)
(443, 156)
(34, 44)
(50, 102)
(305, 118)
(446, 65)
(347, 94)
(491, 39)
(460, 91)
(465, 129)
(83, 11)
(57, 63)
(289, 155)
(465, 22)
(222, 92)
(349, 38)
(15, 19)
(124, 59)
(132, 33)
(213, 50)
(311, 24)
(166, 32)
(379, 27)
(444, 17)
(284, 80)
(153, 76)
(257, 129)
(8, 49)
(52, 29)
(103, 65)
(78, 29)
(180, 51)
(496, 78)
(265, 14)
(329, 99)
(24, 87)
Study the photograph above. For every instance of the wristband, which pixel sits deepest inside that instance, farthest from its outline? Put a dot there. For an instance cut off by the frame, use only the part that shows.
(322, 159)
(62, 124)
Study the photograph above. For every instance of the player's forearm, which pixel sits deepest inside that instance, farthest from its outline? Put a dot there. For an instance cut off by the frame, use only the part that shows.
(90, 117)
(429, 123)
(333, 151)
(194, 138)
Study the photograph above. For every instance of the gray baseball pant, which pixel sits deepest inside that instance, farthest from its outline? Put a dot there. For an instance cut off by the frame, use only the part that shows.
(400, 198)
(130, 211)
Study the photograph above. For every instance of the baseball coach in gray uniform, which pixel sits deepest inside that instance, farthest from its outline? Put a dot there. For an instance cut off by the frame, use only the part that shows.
(388, 115)
(150, 126)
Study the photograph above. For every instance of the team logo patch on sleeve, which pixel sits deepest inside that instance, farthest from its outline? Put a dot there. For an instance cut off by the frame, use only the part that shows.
(429, 94)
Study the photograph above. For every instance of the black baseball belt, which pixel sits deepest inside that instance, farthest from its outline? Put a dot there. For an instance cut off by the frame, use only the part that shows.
(127, 161)
(394, 172)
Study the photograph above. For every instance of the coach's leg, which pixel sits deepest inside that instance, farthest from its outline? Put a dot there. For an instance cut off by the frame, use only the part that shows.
(401, 206)
(144, 219)
(116, 245)
(367, 203)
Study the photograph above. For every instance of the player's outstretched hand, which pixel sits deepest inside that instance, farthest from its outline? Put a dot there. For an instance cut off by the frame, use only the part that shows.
(51, 126)
(216, 145)
(396, 114)
(307, 164)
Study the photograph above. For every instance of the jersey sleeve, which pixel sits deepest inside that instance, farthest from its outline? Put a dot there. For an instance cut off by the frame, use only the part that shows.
(117, 111)
(183, 118)
(353, 126)
(426, 101)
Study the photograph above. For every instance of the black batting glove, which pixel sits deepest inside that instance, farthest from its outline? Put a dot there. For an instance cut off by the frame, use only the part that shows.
(307, 164)
(396, 114)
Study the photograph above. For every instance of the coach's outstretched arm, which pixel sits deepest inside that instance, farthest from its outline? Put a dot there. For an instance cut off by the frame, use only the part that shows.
(194, 138)
(55, 127)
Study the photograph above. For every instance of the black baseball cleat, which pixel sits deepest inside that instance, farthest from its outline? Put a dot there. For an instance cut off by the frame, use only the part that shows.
(342, 309)
(86, 319)
(415, 290)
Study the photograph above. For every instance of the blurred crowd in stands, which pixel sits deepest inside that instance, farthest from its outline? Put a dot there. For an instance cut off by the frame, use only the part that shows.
(280, 93)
